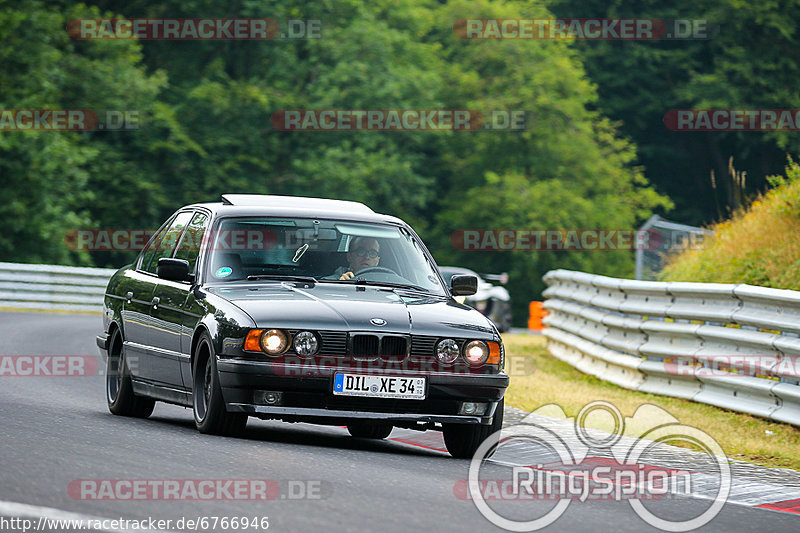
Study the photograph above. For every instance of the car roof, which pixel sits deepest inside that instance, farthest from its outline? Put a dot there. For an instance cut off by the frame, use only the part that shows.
(269, 200)
(294, 206)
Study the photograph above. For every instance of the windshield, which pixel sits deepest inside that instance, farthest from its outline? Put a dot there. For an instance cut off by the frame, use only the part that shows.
(327, 250)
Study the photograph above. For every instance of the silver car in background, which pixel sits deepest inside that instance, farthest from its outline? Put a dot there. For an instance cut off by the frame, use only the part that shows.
(491, 300)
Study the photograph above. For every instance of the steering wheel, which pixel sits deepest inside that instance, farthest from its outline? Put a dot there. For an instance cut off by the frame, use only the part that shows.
(374, 269)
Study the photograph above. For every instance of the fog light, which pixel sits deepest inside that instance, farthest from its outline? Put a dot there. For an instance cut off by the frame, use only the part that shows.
(447, 351)
(269, 397)
(472, 408)
(305, 343)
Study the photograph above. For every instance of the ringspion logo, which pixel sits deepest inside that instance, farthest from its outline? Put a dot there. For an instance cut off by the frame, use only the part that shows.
(573, 471)
(594, 479)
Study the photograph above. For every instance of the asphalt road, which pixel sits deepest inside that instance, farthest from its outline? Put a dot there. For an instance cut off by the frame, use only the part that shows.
(56, 430)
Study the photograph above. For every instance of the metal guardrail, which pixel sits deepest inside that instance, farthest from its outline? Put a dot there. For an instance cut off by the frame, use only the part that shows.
(670, 337)
(658, 337)
(52, 287)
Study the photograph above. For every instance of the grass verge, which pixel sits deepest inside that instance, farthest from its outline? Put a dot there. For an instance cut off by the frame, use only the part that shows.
(758, 245)
(543, 380)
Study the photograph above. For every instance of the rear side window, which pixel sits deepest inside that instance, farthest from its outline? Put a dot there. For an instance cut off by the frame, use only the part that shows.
(164, 245)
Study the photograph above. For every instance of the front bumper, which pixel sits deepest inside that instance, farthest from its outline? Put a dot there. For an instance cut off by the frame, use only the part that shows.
(307, 397)
(102, 343)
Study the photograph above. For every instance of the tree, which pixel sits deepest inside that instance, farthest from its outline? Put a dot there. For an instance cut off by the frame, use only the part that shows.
(747, 63)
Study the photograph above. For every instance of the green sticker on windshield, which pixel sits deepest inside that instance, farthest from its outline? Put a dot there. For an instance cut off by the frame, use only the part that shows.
(224, 272)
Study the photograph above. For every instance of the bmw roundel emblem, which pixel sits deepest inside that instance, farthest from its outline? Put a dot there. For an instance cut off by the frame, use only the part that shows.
(378, 322)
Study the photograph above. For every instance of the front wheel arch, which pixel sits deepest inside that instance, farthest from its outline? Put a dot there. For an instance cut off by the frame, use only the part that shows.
(214, 418)
(198, 334)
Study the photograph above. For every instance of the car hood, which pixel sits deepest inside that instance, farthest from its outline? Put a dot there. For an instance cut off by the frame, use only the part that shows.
(353, 308)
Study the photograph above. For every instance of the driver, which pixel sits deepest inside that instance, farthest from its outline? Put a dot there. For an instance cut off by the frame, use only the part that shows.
(364, 253)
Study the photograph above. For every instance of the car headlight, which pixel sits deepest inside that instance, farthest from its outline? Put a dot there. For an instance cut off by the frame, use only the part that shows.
(447, 350)
(476, 352)
(274, 341)
(305, 343)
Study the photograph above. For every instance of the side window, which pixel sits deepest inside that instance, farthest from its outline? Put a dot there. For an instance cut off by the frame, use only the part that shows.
(148, 253)
(166, 245)
(189, 247)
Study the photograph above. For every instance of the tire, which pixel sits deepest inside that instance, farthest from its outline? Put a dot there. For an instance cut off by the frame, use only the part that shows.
(462, 440)
(369, 430)
(119, 389)
(208, 406)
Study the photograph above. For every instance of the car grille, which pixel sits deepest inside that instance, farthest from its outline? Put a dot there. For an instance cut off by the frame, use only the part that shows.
(423, 347)
(365, 346)
(392, 346)
(387, 346)
(333, 342)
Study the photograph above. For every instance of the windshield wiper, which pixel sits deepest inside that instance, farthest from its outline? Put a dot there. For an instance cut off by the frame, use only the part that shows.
(282, 278)
(362, 281)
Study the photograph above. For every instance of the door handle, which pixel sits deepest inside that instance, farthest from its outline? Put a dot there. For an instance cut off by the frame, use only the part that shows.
(129, 296)
(156, 300)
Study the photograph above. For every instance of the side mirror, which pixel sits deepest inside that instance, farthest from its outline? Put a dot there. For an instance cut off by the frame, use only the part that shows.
(173, 269)
(465, 285)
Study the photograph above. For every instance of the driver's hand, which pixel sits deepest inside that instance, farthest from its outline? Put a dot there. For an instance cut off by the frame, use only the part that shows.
(347, 275)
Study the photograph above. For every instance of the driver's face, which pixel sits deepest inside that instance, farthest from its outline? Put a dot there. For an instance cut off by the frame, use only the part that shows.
(359, 255)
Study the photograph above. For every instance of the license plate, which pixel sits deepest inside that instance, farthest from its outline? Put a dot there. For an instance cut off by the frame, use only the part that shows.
(379, 386)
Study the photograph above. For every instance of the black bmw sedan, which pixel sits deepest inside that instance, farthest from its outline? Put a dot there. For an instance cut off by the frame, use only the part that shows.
(300, 309)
